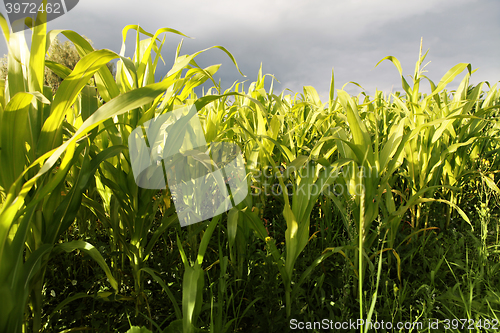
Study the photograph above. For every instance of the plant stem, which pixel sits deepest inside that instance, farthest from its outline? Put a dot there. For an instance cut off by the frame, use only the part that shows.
(360, 254)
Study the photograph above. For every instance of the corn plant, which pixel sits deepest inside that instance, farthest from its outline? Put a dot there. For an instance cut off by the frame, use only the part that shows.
(128, 210)
(374, 160)
(458, 168)
(65, 156)
(429, 118)
(193, 280)
(28, 199)
(27, 203)
(308, 182)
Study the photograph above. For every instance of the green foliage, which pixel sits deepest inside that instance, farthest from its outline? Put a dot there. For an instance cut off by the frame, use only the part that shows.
(370, 207)
(137, 329)
(64, 54)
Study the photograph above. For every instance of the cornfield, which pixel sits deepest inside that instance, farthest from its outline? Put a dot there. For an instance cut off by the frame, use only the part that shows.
(366, 209)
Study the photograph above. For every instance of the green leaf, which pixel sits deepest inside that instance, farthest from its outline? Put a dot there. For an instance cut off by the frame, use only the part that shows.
(447, 78)
(93, 253)
(396, 63)
(491, 184)
(60, 70)
(13, 136)
(68, 92)
(360, 136)
(178, 313)
(255, 223)
(232, 225)
(295, 165)
(137, 329)
(391, 145)
(206, 238)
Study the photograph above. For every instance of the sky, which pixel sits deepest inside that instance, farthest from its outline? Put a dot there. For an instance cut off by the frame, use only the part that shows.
(299, 42)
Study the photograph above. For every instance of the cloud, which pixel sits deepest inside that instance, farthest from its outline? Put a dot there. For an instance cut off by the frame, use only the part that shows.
(301, 41)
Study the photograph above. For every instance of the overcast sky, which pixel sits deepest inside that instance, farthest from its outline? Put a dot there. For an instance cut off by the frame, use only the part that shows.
(299, 41)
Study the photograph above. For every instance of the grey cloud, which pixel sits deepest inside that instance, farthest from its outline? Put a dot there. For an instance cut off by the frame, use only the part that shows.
(300, 42)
